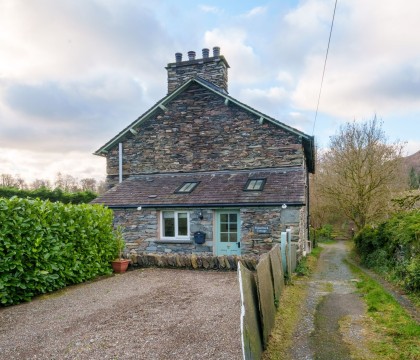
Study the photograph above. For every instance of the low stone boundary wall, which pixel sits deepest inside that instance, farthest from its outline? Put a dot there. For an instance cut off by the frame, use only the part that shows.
(192, 261)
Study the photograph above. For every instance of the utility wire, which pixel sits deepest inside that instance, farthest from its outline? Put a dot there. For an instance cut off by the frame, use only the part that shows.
(325, 65)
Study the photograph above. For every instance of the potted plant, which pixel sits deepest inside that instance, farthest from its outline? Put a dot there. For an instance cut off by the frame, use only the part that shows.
(120, 264)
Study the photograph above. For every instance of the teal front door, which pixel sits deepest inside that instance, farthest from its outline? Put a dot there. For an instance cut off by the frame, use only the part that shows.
(228, 233)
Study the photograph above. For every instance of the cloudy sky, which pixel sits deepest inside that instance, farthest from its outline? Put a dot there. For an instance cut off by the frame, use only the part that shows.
(73, 73)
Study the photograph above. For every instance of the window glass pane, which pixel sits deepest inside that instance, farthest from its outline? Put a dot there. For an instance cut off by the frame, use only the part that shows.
(224, 218)
(168, 214)
(223, 227)
(251, 185)
(183, 188)
(233, 217)
(224, 237)
(255, 184)
(182, 224)
(169, 227)
(187, 187)
(233, 237)
(233, 226)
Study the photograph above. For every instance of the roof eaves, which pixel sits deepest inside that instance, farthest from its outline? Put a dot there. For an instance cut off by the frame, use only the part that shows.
(207, 205)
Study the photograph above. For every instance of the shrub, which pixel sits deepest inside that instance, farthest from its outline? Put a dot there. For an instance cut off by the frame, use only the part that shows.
(45, 246)
(393, 248)
(79, 197)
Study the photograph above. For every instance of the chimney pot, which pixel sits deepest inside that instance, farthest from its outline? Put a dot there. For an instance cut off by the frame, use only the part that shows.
(216, 51)
(178, 57)
(206, 53)
(191, 55)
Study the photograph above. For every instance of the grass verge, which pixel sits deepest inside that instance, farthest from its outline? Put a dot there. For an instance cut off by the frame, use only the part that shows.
(396, 335)
(289, 312)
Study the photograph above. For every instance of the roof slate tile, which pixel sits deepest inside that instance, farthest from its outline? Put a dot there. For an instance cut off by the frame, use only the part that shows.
(219, 188)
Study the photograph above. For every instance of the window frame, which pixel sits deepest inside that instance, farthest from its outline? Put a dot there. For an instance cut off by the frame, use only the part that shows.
(176, 228)
(264, 181)
(178, 190)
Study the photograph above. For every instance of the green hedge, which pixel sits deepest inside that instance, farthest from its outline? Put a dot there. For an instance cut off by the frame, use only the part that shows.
(393, 248)
(79, 197)
(45, 246)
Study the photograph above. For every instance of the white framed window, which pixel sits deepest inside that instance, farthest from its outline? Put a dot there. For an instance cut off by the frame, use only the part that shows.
(175, 225)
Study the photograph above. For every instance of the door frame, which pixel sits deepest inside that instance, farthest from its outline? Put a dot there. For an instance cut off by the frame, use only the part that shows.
(217, 213)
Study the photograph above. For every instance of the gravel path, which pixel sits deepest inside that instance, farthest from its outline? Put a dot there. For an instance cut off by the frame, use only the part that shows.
(332, 321)
(143, 314)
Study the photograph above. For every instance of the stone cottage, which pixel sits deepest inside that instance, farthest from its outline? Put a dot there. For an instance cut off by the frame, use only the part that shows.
(202, 172)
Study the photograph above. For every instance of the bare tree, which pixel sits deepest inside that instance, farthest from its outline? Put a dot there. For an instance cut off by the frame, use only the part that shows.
(66, 182)
(40, 183)
(8, 180)
(20, 183)
(360, 171)
(88, 184)
(101, 187)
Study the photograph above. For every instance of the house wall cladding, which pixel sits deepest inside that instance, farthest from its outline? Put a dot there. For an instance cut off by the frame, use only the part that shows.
(199, 132)
(141, 229)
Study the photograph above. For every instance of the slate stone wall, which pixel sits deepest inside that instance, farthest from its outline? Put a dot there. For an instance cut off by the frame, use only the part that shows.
(141, 230)
(276, 219)
(213, 69)
(199, 132)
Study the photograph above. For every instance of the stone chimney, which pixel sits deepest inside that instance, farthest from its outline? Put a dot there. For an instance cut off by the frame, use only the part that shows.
(211, 68)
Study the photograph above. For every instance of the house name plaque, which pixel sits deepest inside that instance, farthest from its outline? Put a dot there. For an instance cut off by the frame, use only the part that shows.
(262, 229)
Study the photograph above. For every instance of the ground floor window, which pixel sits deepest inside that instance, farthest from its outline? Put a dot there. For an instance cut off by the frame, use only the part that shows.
(175, 225)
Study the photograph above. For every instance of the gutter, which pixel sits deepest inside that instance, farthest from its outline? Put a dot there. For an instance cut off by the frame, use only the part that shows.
(210, 205)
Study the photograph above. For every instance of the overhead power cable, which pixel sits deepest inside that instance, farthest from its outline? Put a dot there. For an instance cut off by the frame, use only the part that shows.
(325, 65)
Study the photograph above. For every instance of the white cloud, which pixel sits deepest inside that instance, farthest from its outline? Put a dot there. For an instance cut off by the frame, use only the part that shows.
(309, 14)
(285, 78)
(210, 9)
(45, 165)
(412, 146)
(245, 64)
(372, 65)
(269, 100)
(256, 11)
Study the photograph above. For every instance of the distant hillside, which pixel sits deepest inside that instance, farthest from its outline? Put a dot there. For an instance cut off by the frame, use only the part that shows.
(412, 161)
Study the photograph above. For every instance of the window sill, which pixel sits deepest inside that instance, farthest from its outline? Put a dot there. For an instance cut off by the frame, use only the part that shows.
(174, 241)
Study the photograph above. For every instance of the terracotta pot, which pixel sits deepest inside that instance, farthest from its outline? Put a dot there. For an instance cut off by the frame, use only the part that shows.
(120, 266)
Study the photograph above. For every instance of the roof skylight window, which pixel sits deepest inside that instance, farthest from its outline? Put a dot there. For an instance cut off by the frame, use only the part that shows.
(187, 187)
(255, 184)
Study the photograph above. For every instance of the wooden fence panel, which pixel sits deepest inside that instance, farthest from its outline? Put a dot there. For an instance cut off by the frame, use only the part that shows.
(277, 272)
(252, 347)
(265, 297)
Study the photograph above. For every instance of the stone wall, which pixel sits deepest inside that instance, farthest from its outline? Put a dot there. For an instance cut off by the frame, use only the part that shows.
(199, 132)
(213, 69)
(141, 230)
(276, 219)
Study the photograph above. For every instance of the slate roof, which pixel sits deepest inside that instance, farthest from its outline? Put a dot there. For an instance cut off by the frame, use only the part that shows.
(307, 140)
(219, 188)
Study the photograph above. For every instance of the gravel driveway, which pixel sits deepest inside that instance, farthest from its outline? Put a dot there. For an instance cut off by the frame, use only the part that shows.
(143, 314)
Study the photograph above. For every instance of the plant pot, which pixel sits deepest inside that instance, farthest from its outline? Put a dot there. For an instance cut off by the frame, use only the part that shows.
(120, 266)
